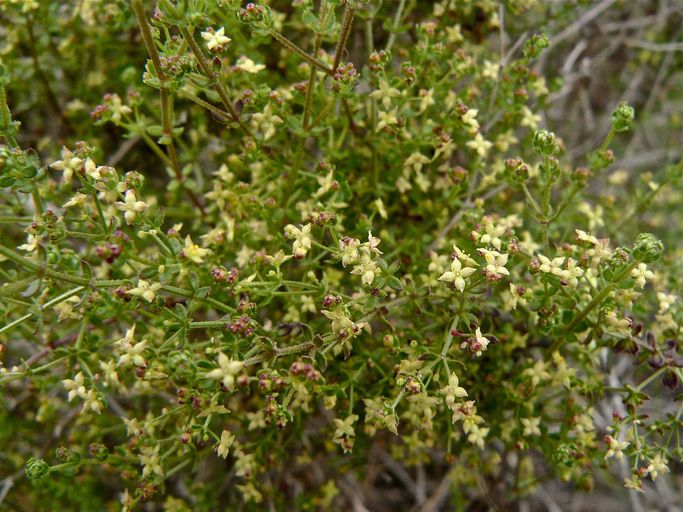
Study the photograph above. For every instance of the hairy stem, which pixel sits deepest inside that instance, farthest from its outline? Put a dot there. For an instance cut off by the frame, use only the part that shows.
(349, 13)
(166, 105)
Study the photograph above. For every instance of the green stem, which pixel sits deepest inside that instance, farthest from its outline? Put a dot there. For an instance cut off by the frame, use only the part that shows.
(206, 68)
(60, 298)
(652, 377)
(596, 301)
(209, 324)
(6, 115)
(531, 199)
(322, 13)
(349, 13)
(301, 53)
(166, 104)
(205, 104)
(397, 22)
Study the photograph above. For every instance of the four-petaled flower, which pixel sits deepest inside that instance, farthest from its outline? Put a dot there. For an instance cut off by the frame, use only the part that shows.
(131, 206)
(549, 266)
(215, 39)
(615, 448)
(248, 65)
(145, 289)
(480, 145)
(193, 252)
(531, 426)
(226, 371)
(68, 164)
(457, 274)
(75, 386)
(265, 121)
(641, 274)
(387, 119)
(495, 264)
(452, 391)
(344, 433)
(385, 93)
(227, 439)
(302, 239)
(657, 466)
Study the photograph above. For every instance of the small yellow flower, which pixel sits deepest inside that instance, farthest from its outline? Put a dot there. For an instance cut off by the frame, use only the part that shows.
(531, 426)
(452, 391)
(68, 164)
(75, 200)
(145, 290)
(457, 274)
(32, 243)
(480, 145)
(266, 121)
(117, 108)
(385, 93)
(75, 386)
(387, 119)
(227, 439)
(193, 252)
(131, 206)
(302, 239)
(641, 274)
(226, 371)
(248, 65)
(615, 448)
(215, 39)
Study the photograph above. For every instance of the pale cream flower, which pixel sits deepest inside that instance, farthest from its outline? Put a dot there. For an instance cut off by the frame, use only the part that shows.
(495, 263)
(641, 274)
(385, 93)
(75, 386)
(75, 200)
(549, 266)
(480, 145)
(457, 274)
(387, 119)
(32, 243)
(302, 239)
(193, 252)
(117, 108)
(452, 391)
(68, 164)
(145, 290)
(657, 465)
(227, 440)
(131, 206)
(215, 39)
(248, 65)
(226, 371)
(615, 448)
(265, 121)
(531, 426)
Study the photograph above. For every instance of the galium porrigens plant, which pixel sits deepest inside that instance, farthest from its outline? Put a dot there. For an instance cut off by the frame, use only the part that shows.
(388, 251)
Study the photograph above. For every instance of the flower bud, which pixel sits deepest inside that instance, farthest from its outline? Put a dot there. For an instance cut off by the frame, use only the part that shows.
(622, 117)
(36, 468)
(545, 142)
(647, 248)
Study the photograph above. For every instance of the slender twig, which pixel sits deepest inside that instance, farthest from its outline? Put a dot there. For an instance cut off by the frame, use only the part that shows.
(301, 53)
(349, 13)
(211, 75)
(596, 301)
(166, 104)
(397, 22)
(322, 13)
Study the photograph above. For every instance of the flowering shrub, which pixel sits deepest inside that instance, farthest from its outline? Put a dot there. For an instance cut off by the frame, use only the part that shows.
(297, 234)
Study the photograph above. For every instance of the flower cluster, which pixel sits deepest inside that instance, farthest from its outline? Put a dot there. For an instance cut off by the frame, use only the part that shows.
(284, 260)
